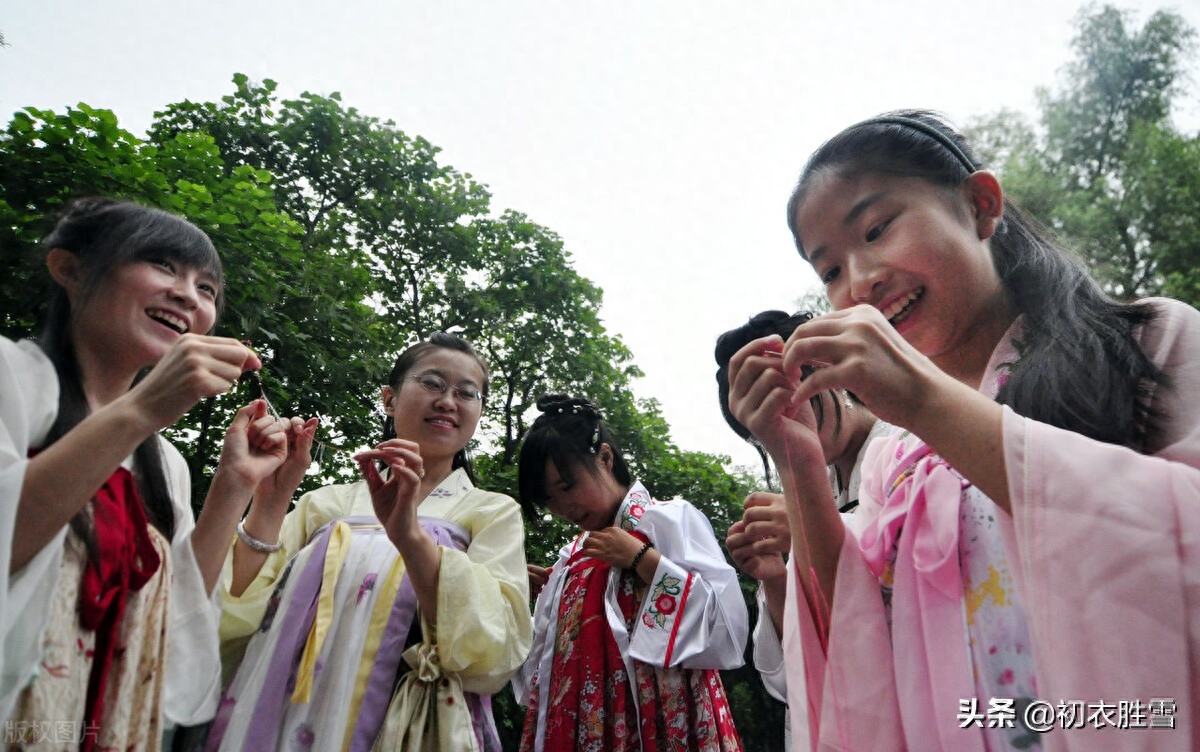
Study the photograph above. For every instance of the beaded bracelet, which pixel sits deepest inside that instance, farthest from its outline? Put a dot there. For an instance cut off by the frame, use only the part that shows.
(638, 557)
(255, 544)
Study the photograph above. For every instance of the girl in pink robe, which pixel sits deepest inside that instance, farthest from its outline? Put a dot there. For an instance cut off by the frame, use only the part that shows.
(1024, 575)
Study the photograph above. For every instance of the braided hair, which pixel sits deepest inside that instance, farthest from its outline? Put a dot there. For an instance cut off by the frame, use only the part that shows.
(569, 432)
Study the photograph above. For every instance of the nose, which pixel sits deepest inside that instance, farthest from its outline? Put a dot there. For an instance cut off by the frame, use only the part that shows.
(445, 400)
(866, 277)
(184, 290)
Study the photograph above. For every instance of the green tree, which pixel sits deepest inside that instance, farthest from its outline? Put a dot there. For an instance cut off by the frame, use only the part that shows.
(1106, 169)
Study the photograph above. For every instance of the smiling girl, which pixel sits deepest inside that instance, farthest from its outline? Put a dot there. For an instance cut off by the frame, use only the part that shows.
(1005, 543)
(396, 605)
(639, 612)
(108, 610)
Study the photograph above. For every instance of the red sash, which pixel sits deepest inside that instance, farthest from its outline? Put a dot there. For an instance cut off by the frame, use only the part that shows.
(126, 561)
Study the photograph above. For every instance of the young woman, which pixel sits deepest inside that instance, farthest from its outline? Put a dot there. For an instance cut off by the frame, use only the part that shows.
(638, 614)
(411, 575)
(108, 629)
(1055, 475)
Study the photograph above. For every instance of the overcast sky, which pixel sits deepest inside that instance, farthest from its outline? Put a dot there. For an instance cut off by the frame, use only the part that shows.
(659, 139)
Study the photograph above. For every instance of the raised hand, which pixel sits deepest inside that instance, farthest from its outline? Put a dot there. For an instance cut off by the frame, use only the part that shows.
(762, 395)
(255, 445)
(276, 489)
(538, 577)
(196, 366)
(758, 541)
(612, 545)
(395, 499)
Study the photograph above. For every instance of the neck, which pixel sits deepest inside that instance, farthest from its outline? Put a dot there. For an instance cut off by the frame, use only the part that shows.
(969, 360)
(103, 379)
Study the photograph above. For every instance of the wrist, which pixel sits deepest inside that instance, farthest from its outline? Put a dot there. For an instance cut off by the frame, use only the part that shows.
(637, 558)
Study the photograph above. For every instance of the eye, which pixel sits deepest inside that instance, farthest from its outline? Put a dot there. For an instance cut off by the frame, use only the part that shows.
(469, 393)
(207, 289)
(432, 382)
(830, 274)
(876, 230)
(162, 263)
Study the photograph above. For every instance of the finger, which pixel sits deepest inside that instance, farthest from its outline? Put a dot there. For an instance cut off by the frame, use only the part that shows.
(369, 472)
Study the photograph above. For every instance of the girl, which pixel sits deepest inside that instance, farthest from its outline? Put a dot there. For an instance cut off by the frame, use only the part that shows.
(1054, 477)
(330, 595)
(760, 540)
(111, 581)
(639, 612)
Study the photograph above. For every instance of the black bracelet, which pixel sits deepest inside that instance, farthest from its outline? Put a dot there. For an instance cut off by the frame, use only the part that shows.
(638, 557)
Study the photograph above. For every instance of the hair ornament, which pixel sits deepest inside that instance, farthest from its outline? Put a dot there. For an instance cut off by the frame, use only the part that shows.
(929, 130)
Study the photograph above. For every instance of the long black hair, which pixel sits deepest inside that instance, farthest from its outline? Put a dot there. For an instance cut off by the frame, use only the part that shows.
(1079, 364)
(569, 432)
(104, 234)
(408, 360)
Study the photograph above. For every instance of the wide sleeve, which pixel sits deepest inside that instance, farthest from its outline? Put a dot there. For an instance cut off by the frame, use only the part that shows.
(242, 614)
(841, 687)
(192, 680)
(484, 628)
(693, 614)
(1106, 547)
(768, 650)
(28, 407)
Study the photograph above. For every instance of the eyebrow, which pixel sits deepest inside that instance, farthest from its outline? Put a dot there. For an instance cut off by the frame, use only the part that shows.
(855, 212)
(439, 372)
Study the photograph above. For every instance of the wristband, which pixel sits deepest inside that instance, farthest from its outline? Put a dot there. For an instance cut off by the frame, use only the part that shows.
(255, 544)
(638, 557)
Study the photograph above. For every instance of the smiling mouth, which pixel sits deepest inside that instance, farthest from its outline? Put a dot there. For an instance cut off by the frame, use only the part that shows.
(168, 319)
(898, 311)
(442, 422)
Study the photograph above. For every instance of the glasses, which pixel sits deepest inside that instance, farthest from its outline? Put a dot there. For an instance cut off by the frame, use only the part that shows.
(436, 384)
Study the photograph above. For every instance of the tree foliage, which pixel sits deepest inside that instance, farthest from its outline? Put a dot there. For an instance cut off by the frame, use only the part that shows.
(1106, 169)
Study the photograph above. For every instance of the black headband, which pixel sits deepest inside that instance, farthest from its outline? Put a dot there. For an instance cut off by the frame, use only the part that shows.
(928, 130)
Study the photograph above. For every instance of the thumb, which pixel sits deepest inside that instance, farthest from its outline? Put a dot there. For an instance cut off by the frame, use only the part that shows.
(241, 420)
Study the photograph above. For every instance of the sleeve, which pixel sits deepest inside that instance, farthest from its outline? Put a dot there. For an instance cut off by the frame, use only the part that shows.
(693, 614)
(768, 651)
(242, 614)
(28, 407)
(545, 623)
(840, 683)
(484, 628)
(1106, 546)
(193, 668)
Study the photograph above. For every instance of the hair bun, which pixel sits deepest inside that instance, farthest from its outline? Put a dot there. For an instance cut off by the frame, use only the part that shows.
(562, 404)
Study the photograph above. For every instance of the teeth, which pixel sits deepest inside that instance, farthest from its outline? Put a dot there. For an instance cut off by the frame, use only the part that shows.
(169, 319)
(896, 308)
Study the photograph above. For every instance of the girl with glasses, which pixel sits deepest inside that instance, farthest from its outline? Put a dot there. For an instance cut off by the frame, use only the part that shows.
(384, 612)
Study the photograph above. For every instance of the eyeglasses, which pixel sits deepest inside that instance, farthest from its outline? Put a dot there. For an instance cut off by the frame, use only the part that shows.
(436, 384)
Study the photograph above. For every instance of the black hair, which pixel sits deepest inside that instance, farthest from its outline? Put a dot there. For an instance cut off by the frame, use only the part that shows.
(1079, 366)
(569, 432)
(409, 359)
(763, 325)
(104, 234)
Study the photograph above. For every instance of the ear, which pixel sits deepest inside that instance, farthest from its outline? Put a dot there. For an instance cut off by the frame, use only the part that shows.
(65, 269)
(606, 456)
(386, 395)
(987, 202)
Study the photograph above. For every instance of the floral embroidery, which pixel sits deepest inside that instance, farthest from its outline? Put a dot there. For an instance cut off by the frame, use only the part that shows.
(633, 511)
(663, 601)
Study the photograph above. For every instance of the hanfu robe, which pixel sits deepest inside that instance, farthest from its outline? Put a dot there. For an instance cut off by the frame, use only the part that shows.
(617, 666)
(951, 618)
(166, 668)
(331, 620)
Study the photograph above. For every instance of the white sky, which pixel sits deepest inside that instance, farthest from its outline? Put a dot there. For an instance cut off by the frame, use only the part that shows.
(660, 140)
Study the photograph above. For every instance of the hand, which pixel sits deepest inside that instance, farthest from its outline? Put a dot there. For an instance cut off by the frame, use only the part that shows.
(612, 545)
(395, 500)
(197, 366)
(538, 577)
(276, 489)
(762, 395)
(255, 445)
(758, 541)
(857, 349)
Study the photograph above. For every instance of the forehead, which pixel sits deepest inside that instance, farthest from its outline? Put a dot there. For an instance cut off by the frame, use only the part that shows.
(455, 366)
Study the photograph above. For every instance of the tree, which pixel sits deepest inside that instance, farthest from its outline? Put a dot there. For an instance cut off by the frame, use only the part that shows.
(1107, 170)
